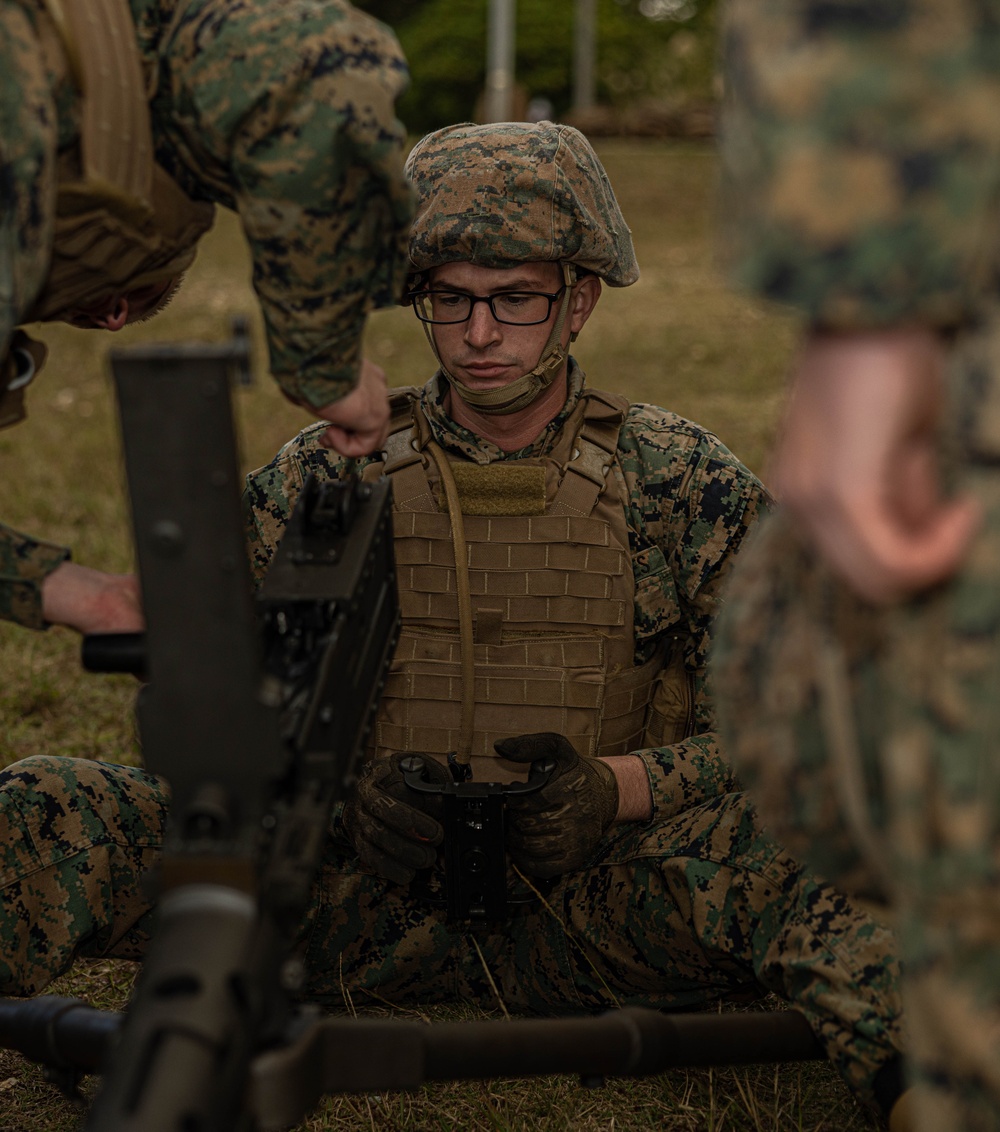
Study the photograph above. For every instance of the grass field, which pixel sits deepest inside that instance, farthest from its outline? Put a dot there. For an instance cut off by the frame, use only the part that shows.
(677, 338)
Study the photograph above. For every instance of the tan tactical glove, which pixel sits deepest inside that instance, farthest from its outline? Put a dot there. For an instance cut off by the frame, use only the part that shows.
(557, 828)
(395, 830)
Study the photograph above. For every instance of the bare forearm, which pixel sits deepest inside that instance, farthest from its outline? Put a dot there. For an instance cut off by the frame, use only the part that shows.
(92, 601)
(635, 799)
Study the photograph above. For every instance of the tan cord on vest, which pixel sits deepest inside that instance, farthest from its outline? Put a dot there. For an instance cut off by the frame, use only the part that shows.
(836, 714)
(464, 752)
(57, 14)
(115, 132)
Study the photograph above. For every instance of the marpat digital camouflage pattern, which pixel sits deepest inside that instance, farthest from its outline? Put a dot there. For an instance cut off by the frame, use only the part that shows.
(690, 506)
(861, 146)
(546, 198)
(859, 156)
(675, 915)
(696, 905)
(282, 111)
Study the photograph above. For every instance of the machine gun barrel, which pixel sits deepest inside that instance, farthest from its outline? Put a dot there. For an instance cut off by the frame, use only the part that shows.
(349, 1055)
(338, 1055)
(258, 722)
(115, 652)
(632, 1042)
(60, 1032)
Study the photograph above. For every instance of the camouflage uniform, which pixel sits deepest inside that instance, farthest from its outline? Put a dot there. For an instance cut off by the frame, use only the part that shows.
(860, 152)
(695, 905)
(675, 912)
(281, 111)
(599, 938)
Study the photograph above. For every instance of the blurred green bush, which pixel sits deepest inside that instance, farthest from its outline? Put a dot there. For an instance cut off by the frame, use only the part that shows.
(650, 53)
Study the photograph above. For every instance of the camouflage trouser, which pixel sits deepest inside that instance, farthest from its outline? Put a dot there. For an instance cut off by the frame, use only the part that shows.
(673, 915)
(868, 738)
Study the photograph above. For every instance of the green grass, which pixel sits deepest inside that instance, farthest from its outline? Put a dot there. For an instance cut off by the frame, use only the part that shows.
(677, 338)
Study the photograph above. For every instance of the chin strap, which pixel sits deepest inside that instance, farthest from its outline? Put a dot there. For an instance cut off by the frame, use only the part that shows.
(520, 393)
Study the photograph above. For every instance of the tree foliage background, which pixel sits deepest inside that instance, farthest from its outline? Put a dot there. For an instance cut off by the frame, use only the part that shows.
(647, 51)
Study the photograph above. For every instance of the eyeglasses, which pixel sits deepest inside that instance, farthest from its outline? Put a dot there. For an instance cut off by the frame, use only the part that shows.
(515, 308)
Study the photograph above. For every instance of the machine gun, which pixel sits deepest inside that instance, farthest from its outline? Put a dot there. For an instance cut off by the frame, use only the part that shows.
(258, 724)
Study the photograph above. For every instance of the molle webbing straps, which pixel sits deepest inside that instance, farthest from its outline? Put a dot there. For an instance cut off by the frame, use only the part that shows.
(550, 629)
(99, 39)
(593, 454)
(463, 752)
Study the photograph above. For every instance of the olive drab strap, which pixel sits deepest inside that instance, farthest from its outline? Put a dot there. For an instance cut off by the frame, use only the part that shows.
(116, 138)
(837, 715)
(463, 748)
(593, 454)
(121, 222)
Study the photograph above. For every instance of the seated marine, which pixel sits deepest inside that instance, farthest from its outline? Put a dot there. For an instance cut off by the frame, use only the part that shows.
(597, 536)
(560, 558)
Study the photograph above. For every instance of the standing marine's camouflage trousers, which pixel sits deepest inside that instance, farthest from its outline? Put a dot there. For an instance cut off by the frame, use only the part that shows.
(870, 739)
(671, 915)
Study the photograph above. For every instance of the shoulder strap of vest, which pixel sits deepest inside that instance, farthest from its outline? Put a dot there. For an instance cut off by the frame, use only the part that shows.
(399, 447)
(404, 459)
(99, 39)
(593, 453)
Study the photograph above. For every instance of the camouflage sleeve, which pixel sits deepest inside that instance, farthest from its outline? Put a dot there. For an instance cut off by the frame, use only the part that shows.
(861, 157)
(27, 168)
(24, 564)
(691, 504)
(685, 774)
(284, 108)
(270, 493)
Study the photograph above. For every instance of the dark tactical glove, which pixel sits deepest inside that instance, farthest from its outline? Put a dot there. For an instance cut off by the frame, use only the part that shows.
(556, 829)
(395, 830)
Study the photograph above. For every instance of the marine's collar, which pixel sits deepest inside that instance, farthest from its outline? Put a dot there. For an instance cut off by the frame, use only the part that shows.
(456, 438)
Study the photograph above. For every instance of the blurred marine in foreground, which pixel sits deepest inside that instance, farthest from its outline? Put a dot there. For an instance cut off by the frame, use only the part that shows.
(124, 123)
(860, 655)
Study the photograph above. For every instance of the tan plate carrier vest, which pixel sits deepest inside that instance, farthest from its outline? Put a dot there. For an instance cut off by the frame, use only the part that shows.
(546, 639)
(121, 221)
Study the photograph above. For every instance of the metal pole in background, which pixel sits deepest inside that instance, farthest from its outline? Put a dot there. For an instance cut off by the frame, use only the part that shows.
(584, 51)
(499, 102)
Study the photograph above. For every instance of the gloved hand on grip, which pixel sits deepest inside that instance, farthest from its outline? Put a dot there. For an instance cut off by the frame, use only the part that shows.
(557, 828)
(395, 830)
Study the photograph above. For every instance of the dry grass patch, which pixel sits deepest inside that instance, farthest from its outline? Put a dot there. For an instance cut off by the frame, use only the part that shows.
(792, 1098)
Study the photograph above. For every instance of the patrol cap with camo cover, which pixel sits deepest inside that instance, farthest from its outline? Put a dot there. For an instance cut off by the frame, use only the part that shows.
(506, 193)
